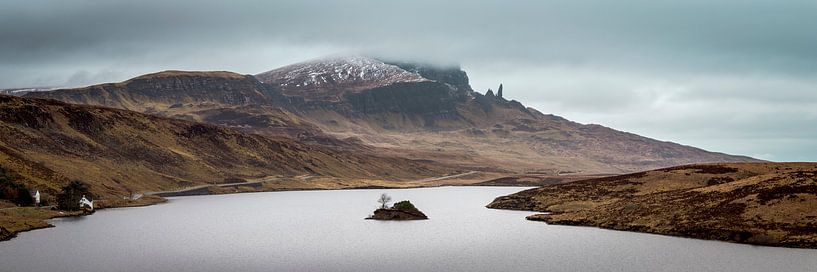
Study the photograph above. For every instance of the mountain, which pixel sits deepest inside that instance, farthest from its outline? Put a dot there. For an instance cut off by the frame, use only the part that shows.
(433, 109)
(370, 90)
(46, 143)
(757, 203)
(413, 110)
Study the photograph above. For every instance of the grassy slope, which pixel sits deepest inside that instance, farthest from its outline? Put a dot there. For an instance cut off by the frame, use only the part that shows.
(758, 203)
(117, 151)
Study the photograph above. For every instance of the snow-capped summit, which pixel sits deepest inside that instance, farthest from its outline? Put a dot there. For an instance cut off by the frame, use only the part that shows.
(327, 76)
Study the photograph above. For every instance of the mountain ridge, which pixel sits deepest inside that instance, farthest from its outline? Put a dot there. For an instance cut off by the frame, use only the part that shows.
(420, 110)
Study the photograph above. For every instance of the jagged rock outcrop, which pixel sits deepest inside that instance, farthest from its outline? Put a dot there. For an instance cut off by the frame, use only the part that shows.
(5, 234)
(499, 91)
(360, 87)
(424, 98)
(452, 76)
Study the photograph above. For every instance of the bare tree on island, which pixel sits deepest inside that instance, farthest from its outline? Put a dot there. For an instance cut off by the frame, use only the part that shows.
(402, 210)
(384, 200)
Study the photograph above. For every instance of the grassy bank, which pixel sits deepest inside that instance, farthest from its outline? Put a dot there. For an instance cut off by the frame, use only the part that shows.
(772, 204)
(19, 219)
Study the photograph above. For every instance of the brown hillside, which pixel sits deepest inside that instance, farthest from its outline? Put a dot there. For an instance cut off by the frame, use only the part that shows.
(409, 110)
(49, 143)
(443, 115)
(221, 98)
(759, 203)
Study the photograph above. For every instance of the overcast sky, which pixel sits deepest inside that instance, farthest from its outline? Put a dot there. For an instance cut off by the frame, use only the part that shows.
(730, 76)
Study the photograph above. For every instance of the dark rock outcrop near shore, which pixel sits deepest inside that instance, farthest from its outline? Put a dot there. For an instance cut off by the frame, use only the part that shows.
(402, 210)
(6, 234)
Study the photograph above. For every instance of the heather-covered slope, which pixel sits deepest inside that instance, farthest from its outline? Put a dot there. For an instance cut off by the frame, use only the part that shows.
(221, 98)
(48, 143)
(758, 203)
(162, 90)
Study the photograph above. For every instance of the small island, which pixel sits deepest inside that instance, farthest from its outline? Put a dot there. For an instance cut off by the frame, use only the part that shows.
(402, 210)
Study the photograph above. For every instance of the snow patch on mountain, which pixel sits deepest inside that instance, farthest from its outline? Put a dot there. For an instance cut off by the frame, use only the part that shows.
(338, 73)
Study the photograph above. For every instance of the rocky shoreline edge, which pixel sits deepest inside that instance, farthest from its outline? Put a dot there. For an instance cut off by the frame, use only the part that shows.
(723, 235)
(766, 204)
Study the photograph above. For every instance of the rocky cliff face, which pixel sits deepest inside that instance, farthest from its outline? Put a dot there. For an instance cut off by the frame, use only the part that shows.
(392, 95)
(360, 87)
(452, 75)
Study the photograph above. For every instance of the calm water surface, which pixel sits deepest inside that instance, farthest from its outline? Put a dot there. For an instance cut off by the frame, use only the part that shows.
(325, 231)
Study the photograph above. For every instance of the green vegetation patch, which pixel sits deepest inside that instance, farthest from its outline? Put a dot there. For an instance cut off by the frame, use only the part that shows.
(404, 205)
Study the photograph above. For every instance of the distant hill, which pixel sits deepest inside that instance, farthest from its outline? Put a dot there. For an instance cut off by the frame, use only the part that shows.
(222, 98)
(23, 91)
(412, 110)
(757, 203)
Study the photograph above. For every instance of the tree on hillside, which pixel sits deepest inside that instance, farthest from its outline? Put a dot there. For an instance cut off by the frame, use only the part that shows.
(13, 191)
(69, 198)
(384, 201)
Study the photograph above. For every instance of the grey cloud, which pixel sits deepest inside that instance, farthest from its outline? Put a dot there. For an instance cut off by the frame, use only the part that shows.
(661, 68)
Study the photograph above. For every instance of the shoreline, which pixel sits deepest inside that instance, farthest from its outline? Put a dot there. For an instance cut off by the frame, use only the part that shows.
(40, 221)
(30, 224)
(14, 221)
(765, 204)
(546, 218)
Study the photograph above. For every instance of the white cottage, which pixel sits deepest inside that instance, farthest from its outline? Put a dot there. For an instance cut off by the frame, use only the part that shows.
(36, 197)
(84, 203)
